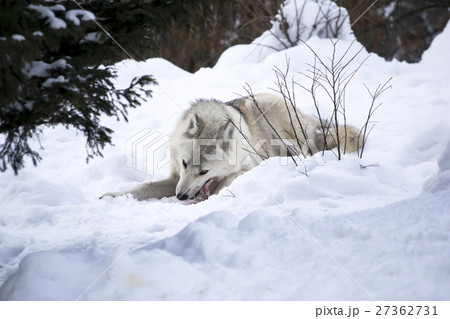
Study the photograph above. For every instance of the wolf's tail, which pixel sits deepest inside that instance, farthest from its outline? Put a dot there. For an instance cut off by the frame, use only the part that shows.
(349, 139)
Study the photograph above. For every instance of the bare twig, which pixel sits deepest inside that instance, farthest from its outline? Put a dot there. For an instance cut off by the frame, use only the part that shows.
(251, 96)
(364, 132)
(328, 23)
(231, 194)
(254, 150)
(289, 102)
(330, 76)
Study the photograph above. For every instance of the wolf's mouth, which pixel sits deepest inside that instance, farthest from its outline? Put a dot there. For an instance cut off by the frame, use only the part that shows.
(205, 190)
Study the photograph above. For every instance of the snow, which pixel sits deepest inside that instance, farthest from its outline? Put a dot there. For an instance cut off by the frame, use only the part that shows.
(57, 7)
(91, 37)
(442, 180)
(47, 12)
(18, 37)
(56, 23)
(306, 18)
(73, 15)
(387, 11)
(42, 69)
(50, 81)
(340, 233)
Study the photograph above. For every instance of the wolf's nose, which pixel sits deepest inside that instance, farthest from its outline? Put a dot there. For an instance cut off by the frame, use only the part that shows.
(182, 196)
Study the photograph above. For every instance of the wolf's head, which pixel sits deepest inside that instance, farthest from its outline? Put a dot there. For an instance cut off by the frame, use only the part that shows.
(203, 154)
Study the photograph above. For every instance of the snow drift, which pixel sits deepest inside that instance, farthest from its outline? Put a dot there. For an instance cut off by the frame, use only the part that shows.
(360, 229)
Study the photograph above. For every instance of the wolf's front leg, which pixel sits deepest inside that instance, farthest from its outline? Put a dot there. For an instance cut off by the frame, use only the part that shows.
(158, 189)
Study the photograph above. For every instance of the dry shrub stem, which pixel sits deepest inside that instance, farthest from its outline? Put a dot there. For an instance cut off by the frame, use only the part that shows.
(251, 96)
(249, 142)
(288, 94)
(332, 77)
(364, 132)
(331, 25)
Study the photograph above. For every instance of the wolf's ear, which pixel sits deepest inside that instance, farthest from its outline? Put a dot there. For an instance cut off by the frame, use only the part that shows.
(194, 124)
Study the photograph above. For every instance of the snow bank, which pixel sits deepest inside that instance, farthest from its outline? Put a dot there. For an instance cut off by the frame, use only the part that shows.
(441, 182)
(297, 21)
(376, 227)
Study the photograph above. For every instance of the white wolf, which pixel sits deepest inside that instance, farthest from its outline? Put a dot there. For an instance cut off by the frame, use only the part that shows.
(214, 142)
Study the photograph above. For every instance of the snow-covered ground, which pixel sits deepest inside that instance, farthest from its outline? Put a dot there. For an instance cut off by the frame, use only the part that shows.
(342, 232)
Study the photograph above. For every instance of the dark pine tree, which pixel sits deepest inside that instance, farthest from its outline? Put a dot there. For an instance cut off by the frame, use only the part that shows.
(56, 65)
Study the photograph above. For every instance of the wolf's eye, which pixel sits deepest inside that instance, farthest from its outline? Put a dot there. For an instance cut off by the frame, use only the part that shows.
(184, 164)
(204, 172)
